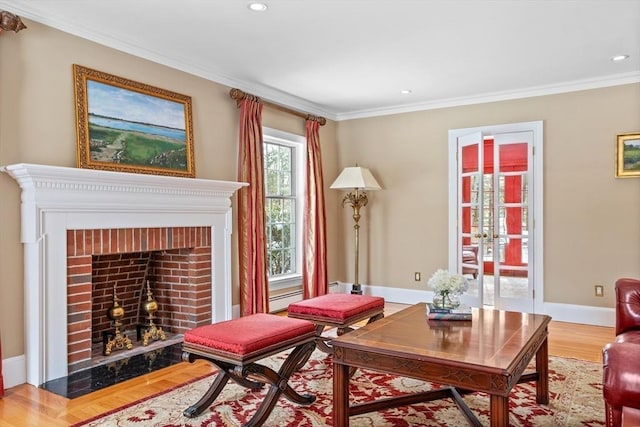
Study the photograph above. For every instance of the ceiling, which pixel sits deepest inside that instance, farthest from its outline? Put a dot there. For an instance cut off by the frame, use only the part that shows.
(346, 59)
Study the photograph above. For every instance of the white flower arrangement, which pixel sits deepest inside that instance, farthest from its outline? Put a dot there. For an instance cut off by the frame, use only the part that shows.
(445, 283)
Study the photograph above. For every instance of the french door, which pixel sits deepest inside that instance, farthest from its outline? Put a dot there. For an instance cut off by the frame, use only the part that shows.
(493, 200)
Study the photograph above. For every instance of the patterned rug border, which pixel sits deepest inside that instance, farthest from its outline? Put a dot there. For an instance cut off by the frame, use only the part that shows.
(201, 377)
(142, 399)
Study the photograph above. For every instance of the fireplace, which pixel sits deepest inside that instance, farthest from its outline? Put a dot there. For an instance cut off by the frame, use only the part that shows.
(174, 261)
(95, 213)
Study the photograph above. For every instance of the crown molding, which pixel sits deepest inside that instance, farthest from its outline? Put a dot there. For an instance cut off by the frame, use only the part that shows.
(565, 87)
(279, 97)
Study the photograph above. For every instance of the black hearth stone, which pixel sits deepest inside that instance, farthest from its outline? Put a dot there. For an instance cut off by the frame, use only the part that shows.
(86, 381)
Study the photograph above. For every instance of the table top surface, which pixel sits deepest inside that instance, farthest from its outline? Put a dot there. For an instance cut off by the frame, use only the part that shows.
(493, 339)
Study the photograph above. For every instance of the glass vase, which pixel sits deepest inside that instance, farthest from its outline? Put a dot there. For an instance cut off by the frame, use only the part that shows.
(446, 300)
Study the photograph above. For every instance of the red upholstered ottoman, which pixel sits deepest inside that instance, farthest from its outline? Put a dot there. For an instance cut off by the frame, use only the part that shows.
(337, 310)
(235, 346)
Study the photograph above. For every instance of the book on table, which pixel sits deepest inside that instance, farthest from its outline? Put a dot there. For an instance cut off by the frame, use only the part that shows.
(449, 316)
(448, 313)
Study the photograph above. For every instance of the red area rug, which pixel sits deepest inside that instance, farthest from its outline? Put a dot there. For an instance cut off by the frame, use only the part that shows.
(575, 400)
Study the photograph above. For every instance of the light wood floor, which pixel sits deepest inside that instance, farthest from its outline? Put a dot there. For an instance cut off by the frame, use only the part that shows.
(26, 406)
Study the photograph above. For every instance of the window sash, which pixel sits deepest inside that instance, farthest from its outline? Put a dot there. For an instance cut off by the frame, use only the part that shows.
(284, 262)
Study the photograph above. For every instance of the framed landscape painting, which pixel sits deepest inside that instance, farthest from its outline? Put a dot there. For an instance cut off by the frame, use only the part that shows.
(628, 155)
(127, 126)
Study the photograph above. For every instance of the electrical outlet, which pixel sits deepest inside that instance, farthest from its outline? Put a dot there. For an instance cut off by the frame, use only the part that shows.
(416, 276)
(599, 290)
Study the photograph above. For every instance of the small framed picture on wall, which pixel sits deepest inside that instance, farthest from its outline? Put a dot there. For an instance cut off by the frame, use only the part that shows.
(628, 155)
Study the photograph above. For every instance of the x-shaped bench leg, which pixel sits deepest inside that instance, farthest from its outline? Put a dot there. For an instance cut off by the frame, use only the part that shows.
(247, 375)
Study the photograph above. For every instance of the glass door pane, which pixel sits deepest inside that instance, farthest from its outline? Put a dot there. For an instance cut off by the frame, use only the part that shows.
(470, 202)
(512, 287)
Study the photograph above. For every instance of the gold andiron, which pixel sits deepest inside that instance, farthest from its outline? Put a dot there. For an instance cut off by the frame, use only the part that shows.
(118, 341)
(150, 306)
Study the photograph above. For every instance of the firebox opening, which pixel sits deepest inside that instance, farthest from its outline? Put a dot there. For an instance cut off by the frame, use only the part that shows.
(135, 278)
(164, 265)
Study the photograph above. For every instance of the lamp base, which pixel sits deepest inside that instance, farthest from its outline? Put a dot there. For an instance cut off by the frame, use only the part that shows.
(356, 289)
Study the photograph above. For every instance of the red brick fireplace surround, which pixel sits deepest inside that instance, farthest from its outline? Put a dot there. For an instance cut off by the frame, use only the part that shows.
(75, 221)
(98, 260)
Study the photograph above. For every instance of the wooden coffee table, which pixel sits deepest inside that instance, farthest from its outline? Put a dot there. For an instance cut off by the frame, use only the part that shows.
(489, 354)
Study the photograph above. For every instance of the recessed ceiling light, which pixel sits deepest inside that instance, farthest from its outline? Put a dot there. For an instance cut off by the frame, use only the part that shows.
(619, 57)
(405, 91)
(257, 6)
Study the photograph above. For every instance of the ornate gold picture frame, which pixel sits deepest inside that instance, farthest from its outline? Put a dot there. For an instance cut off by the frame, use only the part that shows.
(628, 155)
(126, 126)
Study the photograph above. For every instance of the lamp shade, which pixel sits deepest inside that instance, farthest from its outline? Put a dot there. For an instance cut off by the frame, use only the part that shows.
(356, 178)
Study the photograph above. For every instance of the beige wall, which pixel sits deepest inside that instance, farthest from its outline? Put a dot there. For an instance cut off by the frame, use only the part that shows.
(591, 219)
(592, 227)
(37, 125)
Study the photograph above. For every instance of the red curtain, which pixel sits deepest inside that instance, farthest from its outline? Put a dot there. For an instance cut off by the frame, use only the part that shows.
(513, 158)
(252, 248)
(314, 258)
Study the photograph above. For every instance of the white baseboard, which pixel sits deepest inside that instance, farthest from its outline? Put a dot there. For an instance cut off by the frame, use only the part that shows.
(14, 371)
(584, 314)
(401, 296)
(282, 302)
(235, 311)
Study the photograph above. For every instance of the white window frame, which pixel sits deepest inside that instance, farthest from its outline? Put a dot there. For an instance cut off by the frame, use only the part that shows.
(298, 143)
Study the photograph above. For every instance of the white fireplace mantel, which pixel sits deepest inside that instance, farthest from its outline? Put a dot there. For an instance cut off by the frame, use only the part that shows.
(57, 199)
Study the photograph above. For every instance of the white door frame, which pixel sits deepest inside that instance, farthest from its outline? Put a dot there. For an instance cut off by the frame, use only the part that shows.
(536, 193)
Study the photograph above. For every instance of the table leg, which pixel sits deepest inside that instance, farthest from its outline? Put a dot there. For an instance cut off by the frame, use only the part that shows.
(542, 367)
(499, 411)
(340, 395)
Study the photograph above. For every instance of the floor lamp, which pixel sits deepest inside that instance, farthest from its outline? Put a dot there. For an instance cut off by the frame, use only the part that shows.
(357, 179)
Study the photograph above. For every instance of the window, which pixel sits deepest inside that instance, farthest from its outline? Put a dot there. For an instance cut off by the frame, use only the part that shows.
(284, 189)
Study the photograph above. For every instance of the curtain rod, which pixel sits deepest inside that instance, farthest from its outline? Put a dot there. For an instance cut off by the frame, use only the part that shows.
(239, 95)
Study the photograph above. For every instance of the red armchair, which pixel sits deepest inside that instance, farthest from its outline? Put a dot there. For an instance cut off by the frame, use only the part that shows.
(621, 371)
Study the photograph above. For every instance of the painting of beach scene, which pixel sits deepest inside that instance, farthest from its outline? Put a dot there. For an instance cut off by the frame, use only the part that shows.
(132, 127)
(628, 155)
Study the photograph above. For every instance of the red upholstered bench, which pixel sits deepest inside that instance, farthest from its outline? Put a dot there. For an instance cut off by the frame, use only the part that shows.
(337, 310)
(235, 346)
